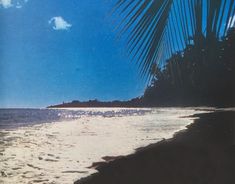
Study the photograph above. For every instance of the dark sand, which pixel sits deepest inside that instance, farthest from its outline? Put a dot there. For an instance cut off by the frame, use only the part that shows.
(203, 154)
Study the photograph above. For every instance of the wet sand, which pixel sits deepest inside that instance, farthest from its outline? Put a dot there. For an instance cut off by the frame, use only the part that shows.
(202, 154)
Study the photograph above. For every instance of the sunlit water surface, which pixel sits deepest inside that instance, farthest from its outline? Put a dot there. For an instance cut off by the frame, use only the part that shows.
(58, 146)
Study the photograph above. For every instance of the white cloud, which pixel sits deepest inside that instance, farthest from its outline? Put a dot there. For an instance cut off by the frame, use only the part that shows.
(18, 5)
(6, 3)
(12, 3)
(59, 23)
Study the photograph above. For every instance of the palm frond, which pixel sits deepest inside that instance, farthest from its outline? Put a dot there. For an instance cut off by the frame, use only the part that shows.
(156, 29)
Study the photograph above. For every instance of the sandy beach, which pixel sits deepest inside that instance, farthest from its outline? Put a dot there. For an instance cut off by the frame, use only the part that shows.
(203, 153)
(62, 146)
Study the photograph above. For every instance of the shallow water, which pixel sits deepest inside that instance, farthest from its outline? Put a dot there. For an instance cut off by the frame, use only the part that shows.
(58, 146)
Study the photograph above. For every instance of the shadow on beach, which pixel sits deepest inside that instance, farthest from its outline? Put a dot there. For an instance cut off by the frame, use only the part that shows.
(204, 153)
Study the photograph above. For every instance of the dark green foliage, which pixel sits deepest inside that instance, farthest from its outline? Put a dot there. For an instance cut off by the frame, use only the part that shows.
(157, 29)
(196, 77)
(185, 47)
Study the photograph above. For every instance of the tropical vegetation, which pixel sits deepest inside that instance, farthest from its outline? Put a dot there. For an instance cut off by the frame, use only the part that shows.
(185, 48)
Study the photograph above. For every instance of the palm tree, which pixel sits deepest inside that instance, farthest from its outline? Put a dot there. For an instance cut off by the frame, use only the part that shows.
(157, 29)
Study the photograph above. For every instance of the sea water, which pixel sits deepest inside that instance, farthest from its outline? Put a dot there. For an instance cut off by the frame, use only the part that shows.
(59, 145)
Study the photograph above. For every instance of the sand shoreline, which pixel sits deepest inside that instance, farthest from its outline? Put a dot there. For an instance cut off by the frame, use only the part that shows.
(204, 153)
(62, 151)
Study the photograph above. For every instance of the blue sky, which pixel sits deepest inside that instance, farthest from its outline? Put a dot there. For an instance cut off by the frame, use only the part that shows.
(55, 51)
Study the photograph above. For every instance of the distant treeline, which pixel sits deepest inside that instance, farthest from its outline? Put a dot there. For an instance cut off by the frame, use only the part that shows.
(95, 103)
(200, 75)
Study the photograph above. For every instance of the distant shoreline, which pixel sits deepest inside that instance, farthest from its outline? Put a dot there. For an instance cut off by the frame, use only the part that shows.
(204, 153)
(95, 103)
(138, 102)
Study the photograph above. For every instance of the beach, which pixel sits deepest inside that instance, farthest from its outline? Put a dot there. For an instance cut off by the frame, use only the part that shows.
(59, 146)
(204, 153)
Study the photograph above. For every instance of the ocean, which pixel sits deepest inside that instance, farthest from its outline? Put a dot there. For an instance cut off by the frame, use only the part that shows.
(55, 146)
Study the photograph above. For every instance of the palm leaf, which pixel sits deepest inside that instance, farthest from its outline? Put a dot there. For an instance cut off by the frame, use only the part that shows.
(156, 29)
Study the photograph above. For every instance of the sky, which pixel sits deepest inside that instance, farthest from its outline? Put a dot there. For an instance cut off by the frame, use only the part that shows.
(58, 51)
